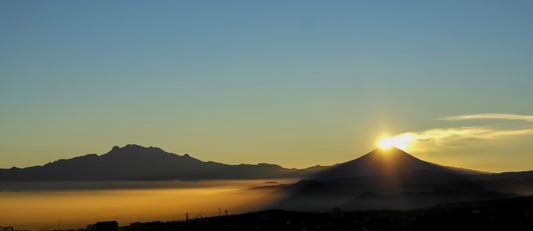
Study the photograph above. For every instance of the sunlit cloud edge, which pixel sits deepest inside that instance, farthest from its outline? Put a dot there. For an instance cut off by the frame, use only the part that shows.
(504, 116)
(439, 136)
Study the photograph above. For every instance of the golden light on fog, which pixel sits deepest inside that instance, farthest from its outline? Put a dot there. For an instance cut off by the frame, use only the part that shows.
(41, 210)
(399, 142)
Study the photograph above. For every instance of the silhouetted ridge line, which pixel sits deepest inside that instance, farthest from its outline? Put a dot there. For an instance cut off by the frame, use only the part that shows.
(383, 162)
(134, 162)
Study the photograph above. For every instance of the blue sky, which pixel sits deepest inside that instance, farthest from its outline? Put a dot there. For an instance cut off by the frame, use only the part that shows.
(295, 83)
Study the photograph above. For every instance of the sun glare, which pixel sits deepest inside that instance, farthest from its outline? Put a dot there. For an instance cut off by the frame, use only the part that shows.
(398, 142)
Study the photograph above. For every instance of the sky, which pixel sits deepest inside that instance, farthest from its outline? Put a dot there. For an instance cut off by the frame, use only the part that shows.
(295, 83)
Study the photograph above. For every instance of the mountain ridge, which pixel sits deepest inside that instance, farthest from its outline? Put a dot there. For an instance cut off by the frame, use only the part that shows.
(385, 161)
(387, 175)
(134, 162)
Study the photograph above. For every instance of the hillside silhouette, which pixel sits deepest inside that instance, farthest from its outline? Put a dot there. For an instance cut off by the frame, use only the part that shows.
(386, 162)
(134, 162)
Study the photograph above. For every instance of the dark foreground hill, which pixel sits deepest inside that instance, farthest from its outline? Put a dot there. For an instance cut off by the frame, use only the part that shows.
(508, 214)
(133, 162)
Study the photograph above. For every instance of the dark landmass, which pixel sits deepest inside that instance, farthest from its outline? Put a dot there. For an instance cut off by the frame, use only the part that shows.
(393, 179)
(133, 162)
(381, 179)
(507, 214)
(386, 162)
(386, 189)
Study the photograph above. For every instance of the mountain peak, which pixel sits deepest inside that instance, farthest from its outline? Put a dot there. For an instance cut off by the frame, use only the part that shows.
(133, 147)
(391, 154)
(389, 150)
(379, 162)
(137, 151)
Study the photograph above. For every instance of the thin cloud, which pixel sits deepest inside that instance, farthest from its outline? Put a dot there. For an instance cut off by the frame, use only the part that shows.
(489, 116)
(451, 135)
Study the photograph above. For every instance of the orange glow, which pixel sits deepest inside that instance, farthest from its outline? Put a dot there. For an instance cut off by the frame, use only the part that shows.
(36, 210)
(399, 142)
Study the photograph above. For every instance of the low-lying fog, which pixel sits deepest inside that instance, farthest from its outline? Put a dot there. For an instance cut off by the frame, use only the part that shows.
(70, 205)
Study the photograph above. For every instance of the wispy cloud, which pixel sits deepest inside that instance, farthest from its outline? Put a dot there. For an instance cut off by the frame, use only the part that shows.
(466, 133)
(450, 136)
(490, 116)
(459, 136)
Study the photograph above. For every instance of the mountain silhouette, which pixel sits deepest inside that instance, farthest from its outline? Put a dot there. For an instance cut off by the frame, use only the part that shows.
(393, 179)
(385, 162)
(134, 162)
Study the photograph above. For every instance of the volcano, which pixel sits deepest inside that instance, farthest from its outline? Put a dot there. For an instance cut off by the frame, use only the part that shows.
(390, 179)
(390, 161)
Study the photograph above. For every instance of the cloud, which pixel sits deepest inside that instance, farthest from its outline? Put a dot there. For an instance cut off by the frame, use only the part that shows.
(441, 136)
(459, 136)
(466, 132)
(489, 116)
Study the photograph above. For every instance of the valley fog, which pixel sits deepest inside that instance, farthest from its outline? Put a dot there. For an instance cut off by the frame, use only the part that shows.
(70, 205)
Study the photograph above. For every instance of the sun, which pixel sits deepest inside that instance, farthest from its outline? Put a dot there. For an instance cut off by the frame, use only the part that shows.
(399, 142)
(386, 143)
